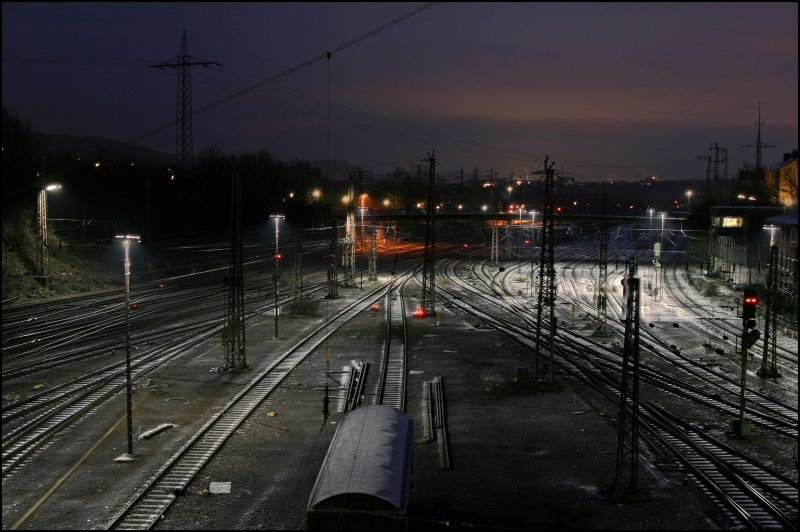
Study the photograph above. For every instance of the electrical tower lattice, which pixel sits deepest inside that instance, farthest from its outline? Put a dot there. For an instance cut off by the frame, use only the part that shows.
(373, 258)
(333, 284)
(349, 241)
(770, 354)
(495, 251)
(235, 358)
(545, 314)
(626, 480)
(602, 282)
(297, 278)
(758, 145)
(428, 298)
(183, 132)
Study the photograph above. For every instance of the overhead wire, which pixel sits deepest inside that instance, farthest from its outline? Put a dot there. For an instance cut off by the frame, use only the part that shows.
(324, 55)
(405, 131)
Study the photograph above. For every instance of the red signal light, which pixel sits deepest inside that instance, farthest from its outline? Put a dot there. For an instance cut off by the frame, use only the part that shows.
(420, 313)
(278, 256)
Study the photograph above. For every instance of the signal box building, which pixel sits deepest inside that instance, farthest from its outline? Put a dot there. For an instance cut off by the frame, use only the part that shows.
(739, 242)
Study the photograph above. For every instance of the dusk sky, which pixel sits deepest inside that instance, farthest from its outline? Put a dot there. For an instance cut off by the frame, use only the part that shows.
(621, 90)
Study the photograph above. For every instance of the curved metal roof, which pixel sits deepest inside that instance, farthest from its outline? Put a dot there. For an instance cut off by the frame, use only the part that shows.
(370, 454)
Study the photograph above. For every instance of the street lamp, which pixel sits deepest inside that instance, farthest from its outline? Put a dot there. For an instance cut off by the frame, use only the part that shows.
(42, 214)
(689, 201)
(509, 188)
(771, 228)
(316, 194)
(533, 244)
(126, 240)
(277, 256)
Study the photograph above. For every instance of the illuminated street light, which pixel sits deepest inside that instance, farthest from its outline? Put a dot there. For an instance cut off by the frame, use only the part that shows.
(42, 215)
(689, 201)
(533, 244)
(771, 228)
(316, 194)
(126, 241)
(277, 257)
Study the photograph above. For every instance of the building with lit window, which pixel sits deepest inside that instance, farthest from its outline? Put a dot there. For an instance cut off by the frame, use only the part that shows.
(739, 244)
(780, 181)
(784, 227)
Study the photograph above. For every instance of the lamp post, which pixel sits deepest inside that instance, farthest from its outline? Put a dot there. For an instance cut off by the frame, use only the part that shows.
(509, 188)
(126, 241)
(42, 215)
(533, 245)
(316, 193)
(689, 202)
(277, 256)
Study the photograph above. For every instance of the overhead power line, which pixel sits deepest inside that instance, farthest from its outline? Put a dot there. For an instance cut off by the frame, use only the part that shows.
(309, 62)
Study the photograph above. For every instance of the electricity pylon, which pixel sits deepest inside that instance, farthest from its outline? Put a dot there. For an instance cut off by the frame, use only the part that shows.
(183, 132)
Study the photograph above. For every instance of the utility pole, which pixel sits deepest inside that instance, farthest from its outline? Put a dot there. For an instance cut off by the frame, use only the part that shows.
(602, 282)
(770, 319)
(333, 286)
(297, 278)
(626, 480)
(709, 190)
(235, 358)
(428, 299)
(758, 146)
(183, 132)
(461, 190)
(495, 251)
(545, 314)
(349, 256)
(277, 256)
(716, 160)
(373, 258)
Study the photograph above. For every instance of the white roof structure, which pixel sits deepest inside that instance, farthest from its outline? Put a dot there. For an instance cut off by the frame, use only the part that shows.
(368, 464)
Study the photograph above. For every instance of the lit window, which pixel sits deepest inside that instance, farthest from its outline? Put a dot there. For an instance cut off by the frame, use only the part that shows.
(732, 221)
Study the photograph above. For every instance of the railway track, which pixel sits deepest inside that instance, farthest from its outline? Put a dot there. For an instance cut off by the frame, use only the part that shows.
(392, 382)
(175, 475)
(29, 423)
(754, 494)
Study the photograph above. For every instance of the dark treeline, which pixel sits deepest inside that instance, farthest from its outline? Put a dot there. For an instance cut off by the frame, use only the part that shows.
(104, 193)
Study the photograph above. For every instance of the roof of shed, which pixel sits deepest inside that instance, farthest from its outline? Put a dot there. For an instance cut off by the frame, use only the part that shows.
(368, 455)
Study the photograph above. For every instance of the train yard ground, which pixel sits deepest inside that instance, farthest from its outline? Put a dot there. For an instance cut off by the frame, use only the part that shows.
(519, 460)
(514, 458)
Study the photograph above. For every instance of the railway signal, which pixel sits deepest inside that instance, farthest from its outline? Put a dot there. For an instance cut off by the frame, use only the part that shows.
(749, 337)
(749, 304)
